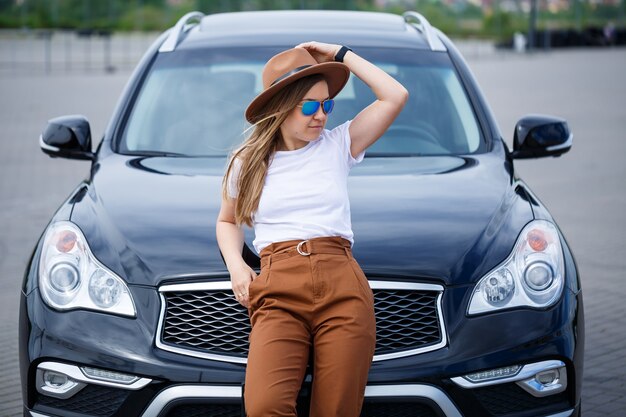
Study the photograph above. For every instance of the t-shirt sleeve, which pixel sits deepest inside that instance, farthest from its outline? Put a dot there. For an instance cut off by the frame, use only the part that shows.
(341, 134)
(232, 180)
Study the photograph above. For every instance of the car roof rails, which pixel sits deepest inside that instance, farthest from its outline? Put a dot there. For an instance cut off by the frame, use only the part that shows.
(425, 27)
(181, 26)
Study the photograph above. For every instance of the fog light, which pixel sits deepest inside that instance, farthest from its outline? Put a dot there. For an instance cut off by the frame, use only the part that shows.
(548, 377)
(491, 374)
(546, 382)
(55, 380)
(109, 376)
(57, 383)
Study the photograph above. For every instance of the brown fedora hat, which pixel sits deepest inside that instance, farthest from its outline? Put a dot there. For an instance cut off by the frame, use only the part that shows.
(291, 65)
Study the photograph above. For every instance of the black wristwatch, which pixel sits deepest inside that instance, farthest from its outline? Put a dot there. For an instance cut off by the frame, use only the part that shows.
(342, 52)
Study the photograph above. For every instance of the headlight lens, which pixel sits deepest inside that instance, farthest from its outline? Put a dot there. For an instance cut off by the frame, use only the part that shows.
(71, 277)
(64, 278)
(532, 275)
(538, 276)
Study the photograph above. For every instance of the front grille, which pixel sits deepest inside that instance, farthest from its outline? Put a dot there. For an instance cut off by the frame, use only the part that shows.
(210, 323)
(93, 400)
(405, 320)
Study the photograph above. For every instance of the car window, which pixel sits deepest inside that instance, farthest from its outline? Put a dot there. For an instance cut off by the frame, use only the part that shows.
(192, 103)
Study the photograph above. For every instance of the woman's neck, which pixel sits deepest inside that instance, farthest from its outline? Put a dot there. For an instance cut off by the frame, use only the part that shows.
(285, 145)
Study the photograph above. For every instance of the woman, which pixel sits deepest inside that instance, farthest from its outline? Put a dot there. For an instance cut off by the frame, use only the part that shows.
(289, 181)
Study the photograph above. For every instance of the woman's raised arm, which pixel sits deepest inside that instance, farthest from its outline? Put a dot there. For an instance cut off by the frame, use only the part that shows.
(391, 96)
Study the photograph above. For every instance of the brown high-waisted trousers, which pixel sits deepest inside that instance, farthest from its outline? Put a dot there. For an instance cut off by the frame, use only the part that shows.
(298, 302)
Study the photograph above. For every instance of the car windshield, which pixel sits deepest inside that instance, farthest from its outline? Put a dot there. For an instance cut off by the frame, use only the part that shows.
(192, 103)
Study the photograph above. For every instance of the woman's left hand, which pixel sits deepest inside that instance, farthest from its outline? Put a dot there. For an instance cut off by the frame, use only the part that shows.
(322, 52)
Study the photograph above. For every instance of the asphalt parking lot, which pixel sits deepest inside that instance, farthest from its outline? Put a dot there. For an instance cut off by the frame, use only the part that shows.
(585, 189)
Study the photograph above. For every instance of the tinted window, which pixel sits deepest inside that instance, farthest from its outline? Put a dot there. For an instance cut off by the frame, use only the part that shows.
(192, 102)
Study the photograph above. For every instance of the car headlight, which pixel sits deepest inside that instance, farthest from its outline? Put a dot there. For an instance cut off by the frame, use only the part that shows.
(71, 277)
(532, 275)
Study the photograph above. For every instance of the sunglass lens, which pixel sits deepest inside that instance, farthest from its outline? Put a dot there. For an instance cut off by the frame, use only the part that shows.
(310, 107)
(328, 106)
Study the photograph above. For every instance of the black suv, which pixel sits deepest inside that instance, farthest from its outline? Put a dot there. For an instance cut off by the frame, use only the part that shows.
(127, 309)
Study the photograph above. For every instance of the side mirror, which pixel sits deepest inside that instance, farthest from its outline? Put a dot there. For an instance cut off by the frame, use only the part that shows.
(537, 136)
(67, 137)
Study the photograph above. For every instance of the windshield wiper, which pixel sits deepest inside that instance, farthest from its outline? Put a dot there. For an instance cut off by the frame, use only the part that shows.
(153, 153)
(390, 155)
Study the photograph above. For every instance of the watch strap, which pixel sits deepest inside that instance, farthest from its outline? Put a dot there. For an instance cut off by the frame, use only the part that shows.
(341, 53)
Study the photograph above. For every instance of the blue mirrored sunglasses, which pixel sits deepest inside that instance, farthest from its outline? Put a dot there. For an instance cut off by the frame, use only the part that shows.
(309, 108)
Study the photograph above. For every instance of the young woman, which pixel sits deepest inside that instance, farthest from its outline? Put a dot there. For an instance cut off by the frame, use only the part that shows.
(288, 180)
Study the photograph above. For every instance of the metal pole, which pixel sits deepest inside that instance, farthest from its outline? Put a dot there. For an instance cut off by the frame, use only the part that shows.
(54, 14)
(87, 17)
(88, 53)
(532, 25)
(498, 15)
(107, 53)
(108, 35)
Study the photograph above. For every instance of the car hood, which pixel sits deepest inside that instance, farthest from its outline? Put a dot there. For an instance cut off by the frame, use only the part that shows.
(443, 219)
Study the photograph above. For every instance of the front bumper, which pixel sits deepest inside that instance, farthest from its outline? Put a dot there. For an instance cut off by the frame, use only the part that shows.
(210, 400)
(421, 400)
(421, 385)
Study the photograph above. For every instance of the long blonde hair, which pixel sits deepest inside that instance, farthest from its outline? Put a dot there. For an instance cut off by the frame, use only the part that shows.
(256, 151)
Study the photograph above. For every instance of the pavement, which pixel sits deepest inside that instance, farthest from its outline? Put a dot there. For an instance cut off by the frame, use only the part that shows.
(584, 189)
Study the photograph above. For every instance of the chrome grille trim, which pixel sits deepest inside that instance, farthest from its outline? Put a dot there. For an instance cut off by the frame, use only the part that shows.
(189, 352)
(402, 285)
(197, 286)
(226, 285)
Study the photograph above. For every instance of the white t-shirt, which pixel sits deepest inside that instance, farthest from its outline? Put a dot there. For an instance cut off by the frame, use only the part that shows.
(305, 194)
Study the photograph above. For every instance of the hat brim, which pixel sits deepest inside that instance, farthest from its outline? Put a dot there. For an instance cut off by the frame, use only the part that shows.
(335, 73)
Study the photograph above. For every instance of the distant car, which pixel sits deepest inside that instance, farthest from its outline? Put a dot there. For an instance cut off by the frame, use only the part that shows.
(127, 307)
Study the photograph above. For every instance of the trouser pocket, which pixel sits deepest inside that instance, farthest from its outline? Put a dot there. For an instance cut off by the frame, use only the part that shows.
(256, 287)
(361, 278)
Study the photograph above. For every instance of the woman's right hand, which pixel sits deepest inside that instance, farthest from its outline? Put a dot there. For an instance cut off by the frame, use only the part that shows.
(230, 238)
(241, 276)
(322, 52)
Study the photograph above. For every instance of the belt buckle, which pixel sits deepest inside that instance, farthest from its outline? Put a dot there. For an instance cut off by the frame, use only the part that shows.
(300, 250)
